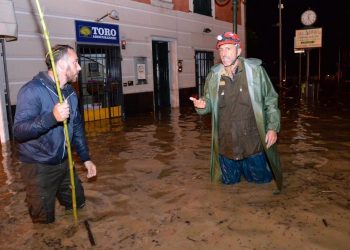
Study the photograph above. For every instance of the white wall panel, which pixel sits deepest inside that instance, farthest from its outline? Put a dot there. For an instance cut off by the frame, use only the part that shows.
(139, 23)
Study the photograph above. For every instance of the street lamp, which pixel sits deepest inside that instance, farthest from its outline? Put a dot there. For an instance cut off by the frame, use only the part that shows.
(234, 15)
(280, 7)
(112, 14)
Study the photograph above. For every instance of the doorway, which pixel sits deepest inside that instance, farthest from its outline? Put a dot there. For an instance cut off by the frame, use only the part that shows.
(161, 74)
(100, 89)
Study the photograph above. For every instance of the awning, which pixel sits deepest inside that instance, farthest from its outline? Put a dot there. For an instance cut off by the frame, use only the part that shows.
(8, 22)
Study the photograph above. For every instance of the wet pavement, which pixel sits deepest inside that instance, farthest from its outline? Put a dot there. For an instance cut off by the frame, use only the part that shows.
(153, 189)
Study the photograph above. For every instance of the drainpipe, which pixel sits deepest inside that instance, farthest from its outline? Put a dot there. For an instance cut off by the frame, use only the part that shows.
(8, 32)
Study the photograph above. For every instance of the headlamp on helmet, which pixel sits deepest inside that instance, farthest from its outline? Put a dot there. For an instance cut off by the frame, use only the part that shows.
(228, 38)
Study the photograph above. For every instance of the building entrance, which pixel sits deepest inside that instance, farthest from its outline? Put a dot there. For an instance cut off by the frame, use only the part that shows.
(161, 74)
(100, 82)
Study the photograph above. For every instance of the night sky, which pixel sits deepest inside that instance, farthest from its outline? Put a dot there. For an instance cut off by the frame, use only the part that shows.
(263, 41)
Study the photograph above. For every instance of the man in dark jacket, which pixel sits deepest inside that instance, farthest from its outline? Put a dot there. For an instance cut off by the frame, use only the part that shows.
(38, 128)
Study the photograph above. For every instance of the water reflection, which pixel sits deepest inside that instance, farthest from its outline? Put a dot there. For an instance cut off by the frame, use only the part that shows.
(6, 164)
(153, 184)
(10, 183)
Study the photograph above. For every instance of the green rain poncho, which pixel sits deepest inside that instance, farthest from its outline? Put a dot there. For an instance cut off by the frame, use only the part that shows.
(265, 105)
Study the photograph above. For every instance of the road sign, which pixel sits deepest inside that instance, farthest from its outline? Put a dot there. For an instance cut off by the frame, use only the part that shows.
(308, 38)
(299, 51)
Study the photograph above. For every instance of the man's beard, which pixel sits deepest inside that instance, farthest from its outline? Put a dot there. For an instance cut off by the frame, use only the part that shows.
(70, 76)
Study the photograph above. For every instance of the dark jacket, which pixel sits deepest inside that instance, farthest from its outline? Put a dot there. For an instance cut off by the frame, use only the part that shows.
(41, 138)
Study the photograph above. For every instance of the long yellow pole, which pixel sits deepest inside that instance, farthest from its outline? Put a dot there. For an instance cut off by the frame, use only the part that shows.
(70, 160)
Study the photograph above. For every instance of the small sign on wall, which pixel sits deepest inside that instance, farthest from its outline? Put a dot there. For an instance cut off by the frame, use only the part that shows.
(141, 71)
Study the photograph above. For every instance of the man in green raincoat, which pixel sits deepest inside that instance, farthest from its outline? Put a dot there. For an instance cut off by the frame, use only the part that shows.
(245, 117)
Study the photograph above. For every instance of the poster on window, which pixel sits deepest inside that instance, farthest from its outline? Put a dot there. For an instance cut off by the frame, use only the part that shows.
(141, 71)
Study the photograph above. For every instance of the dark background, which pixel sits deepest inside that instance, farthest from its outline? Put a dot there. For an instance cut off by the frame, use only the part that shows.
(263, 35)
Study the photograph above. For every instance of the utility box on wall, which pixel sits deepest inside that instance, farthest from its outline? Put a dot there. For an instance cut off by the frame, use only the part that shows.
(141, 70)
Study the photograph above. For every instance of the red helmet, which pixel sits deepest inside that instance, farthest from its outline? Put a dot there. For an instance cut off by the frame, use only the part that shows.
(228, 38)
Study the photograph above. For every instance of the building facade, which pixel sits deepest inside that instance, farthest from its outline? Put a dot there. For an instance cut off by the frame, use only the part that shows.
(139, 56)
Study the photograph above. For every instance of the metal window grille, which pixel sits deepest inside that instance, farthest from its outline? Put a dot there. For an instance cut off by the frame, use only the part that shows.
(100, 88)
(204, 61)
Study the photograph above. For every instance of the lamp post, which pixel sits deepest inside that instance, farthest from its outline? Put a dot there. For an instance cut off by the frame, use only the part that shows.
(280, 7)
(234, 15)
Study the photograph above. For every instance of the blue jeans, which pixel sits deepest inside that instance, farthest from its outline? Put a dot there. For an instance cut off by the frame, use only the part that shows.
(254, 169)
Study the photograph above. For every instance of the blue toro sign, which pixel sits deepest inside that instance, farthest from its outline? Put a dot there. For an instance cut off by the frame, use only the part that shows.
(91, 32)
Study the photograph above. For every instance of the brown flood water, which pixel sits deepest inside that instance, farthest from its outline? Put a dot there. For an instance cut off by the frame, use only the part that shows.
(153, 189)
